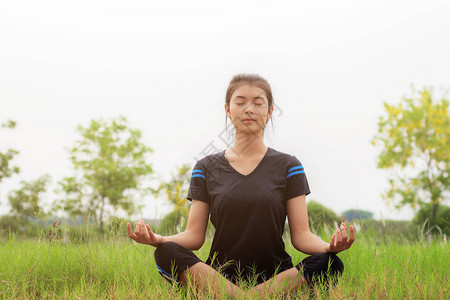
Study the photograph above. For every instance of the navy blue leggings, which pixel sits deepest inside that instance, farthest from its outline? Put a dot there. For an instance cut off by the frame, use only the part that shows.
(172, 259)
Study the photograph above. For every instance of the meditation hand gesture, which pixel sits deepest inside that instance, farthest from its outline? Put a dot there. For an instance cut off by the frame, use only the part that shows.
(143, 234)
(339, 241)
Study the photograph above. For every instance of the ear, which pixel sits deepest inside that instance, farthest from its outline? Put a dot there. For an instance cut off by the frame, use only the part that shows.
(227, 110)
(270, 113)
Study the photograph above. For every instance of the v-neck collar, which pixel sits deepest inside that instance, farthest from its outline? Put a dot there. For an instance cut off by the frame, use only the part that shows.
(254, 170)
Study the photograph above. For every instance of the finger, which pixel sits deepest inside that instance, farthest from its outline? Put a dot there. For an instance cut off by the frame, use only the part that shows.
(142, 229)
(344, 234)
(138, 229)
(130, 232)
(338, 238)
(147, 231)
(333, 240)
(150, 232)
(352, 235)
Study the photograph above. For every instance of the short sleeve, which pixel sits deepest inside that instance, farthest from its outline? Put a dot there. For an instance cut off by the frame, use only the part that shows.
(297, 184)
(197, 186)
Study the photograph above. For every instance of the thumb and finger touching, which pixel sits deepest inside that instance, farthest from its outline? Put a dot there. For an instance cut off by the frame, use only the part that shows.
(341, 239)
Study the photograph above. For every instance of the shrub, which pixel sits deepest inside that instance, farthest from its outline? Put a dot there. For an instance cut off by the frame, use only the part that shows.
(13, 223)
(442, 219)
(320, 215)
(173, 222)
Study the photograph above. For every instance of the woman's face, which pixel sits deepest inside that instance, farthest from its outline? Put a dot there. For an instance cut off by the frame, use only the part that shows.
(249, 109)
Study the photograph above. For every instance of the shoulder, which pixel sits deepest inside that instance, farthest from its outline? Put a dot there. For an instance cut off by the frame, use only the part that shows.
(285, 160)
(209, 161)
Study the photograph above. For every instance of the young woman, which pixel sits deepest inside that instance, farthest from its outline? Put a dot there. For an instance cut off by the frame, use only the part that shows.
(247, 191)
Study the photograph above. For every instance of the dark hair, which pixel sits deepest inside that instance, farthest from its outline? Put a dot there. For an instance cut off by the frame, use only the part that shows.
(253, 80)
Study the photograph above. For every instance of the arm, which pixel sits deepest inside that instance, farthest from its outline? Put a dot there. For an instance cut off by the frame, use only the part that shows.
(192, 238)
(301, 236)
(304, 240)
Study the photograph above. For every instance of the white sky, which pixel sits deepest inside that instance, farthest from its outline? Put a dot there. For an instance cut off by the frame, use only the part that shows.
(166, 66)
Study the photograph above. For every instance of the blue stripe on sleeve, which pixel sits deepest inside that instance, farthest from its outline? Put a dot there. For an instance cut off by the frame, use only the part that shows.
(198, 175)
(295, 173)
(197, 171)
(295, 168)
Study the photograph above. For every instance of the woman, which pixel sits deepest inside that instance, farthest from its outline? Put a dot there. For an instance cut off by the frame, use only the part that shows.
(247, 191)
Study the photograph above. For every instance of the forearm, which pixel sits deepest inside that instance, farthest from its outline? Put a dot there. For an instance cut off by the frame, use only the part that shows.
(186, 239)
(309, 243)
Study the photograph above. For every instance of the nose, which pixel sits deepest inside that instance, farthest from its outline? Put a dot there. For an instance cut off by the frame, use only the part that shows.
(249, 108)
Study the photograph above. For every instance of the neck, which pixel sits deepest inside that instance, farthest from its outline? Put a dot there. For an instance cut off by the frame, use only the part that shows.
(249, 144)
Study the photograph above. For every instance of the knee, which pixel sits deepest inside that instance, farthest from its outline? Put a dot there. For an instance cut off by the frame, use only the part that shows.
(323, 264)
(336, 265)
(328, 262)
(165, 252)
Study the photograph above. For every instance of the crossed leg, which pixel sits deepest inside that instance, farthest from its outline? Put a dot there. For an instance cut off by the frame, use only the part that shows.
(287, 281)
(199, 275)
(204, 277)
(179, 264)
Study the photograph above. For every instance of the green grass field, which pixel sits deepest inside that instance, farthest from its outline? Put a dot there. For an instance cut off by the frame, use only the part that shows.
(376, 267)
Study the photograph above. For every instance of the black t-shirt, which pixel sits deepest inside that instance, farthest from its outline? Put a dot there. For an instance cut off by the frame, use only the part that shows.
(248, 211)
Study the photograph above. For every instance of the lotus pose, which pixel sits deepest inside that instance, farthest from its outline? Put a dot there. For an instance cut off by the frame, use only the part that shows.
(247, 191)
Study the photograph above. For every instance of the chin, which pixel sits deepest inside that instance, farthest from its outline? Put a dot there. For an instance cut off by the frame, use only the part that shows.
(248, 131)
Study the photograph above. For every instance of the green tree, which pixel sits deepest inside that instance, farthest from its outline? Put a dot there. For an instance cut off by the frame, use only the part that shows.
(415, 141)
(77, 199)
(175, 190)
(5, 169)
(25, 201)
(352, 214)
(111, 165)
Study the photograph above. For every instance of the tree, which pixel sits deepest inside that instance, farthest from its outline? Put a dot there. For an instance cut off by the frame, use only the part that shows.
(176, 190)
(415, 140)
(111, 164)
(5, 169)
(25, 201)
(77, 200)
(352, 214)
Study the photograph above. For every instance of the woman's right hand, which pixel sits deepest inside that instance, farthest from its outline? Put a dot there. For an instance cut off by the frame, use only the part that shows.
(143, 234)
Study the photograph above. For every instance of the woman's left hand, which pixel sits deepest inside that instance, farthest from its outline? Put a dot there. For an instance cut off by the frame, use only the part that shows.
(340, 240)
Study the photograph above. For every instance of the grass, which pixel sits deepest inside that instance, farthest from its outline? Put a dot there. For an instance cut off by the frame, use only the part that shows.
(117, 268)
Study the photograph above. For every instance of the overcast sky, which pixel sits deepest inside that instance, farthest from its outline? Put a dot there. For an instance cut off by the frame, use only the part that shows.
(165, 66)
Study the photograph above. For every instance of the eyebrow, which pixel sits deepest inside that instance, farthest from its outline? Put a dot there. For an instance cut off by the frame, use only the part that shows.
(242, 97)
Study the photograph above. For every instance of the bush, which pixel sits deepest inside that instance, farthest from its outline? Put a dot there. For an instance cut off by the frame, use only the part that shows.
(319, 215)
(172, 223)
(115, 226)
(442, 219)
(13, 223)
